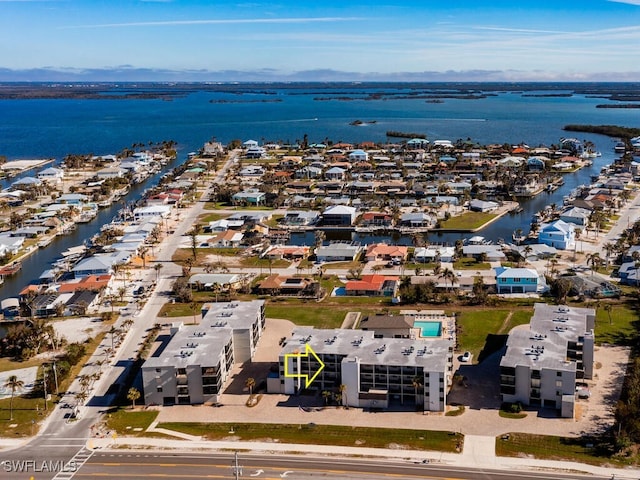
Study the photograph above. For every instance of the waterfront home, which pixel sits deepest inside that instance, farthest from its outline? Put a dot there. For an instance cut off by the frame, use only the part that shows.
(491, 253)
(300, 218)
(251, 218)
(417, 220)
(476, 205)
(542, 364)
(534, 251)
(336, 252)
(537, 163)
(100, 264)
(373, 286)
(10, 243)
(110, 172)
(382, 251)
(558, 234)
(287, 252)
(519, 280)
(378, 219)
(339, 215)
(434, 252)
(417, 144)
(576, 215)
(10, 307)
(93, 283)
(251, 197)
(144, 213)
(51, 175)
(82, 302)
(26, 183)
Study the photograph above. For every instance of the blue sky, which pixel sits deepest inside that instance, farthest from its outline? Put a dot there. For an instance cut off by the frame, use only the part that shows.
(498, 40)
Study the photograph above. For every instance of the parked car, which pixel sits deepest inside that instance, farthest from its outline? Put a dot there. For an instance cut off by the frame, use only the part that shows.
(466, 357)
(583, 392)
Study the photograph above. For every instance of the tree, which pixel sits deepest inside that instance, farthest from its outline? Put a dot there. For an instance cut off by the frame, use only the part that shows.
(132, 395)
(326, 395)
(13, 383)
(193, 235)
(250, 383)
(608, 308)
(343, 394)
(417, 383)
(157, 267)
(448, 275)
(595, 261)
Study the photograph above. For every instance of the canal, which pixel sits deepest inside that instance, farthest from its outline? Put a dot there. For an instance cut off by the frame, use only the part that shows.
(42, 258)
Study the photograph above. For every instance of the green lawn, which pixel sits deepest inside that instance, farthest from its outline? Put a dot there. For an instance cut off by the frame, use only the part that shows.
(7, 364)
(179, 310)
(483, 330)
(467, 221)
(264, 262)
(27, 413)
(470, 264)
(556, 448)
(619, 328)
(324, 435)
(211, 217)
(125, 421)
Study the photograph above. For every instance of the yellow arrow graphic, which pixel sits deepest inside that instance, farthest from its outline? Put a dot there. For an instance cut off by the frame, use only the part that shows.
(308, 351)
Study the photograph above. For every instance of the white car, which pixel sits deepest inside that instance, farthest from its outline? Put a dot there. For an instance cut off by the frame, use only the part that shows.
(466, 357)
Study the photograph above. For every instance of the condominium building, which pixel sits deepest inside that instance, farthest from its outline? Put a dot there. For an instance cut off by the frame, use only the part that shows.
(195, 363)
(543, 362)
(371, 372)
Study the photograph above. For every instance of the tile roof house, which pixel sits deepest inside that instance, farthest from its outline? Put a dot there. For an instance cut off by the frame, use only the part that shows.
(373, 285)
(382, 251)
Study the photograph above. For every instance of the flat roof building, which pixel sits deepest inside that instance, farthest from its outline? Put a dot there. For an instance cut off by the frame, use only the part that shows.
(542, 363)
(371, 372)
(196, 361)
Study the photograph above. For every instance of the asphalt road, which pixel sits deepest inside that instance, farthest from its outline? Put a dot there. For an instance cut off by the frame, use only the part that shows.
(269, 467)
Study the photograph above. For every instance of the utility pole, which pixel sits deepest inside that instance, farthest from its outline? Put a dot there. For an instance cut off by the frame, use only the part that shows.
(44, 384)
(55, 377)
(237, 470)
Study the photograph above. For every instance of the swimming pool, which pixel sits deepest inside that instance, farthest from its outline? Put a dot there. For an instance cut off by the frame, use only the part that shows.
(429, 329)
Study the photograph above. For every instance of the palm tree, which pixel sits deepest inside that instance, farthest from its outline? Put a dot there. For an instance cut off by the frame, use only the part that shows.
(84, 381)
(250, 383)
(81, 397)
(133, 394)
(157, 267)
(417, 383)
(607, 308)
(448, 275)
(13, 383)
(326, 395)
(594, 260)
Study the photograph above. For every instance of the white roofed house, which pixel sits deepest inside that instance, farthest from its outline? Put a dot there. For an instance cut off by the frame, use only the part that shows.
(576, 215)
(358, 156)
(336, 252)
(51, 175)
(558, 234)
(335, 173)
(519, 280)
(141, 213)
(339, 215)
(251, 196)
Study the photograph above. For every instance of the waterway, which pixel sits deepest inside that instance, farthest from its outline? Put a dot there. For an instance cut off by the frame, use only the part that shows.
(42, 258)
(501, 229)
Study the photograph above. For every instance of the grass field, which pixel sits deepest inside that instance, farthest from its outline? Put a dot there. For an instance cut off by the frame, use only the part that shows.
(467, 221)
(619, 326)
(125, 421)
(470, 264)
(550, 447)
(324, 435)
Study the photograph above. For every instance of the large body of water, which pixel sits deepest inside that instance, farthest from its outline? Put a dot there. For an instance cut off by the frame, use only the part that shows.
(54, 128)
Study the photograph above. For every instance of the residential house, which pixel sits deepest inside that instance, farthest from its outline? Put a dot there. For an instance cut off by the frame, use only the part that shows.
(251, 197)
(476, 205)
(228, 238)
(558, 234)
(491, 253)
(376, 219)
(300, 218)
(143, 213)
(277, 284)
(416, 220)
(358, 155)
(388, 326)
(335, 173)
(373, 285)
(288, 252)
(336, 252)
(339, 215)
(99, 264)
(432, 253)
(576, 215)
(51, 175)
(382, 251)
(519, 280)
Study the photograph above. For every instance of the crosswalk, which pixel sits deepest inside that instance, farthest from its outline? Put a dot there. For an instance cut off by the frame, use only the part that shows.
(73, 465)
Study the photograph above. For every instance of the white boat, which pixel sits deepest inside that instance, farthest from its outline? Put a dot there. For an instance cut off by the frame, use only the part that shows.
(45, 242)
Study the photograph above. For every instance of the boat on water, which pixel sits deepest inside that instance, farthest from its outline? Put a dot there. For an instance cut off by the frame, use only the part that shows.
(11, 269)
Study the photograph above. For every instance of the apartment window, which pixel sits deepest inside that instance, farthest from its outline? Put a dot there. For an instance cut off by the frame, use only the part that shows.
(182, 371)
(558, 383)
(158, 370)
(159, 389)
(558, 374)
